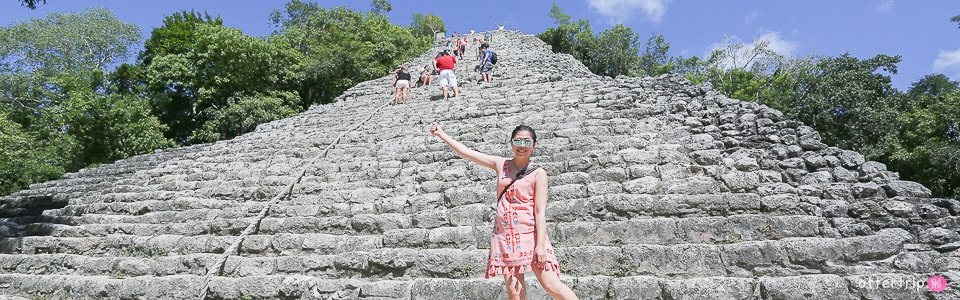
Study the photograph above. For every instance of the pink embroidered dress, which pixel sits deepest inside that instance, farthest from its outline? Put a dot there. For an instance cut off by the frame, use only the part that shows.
(514, 229)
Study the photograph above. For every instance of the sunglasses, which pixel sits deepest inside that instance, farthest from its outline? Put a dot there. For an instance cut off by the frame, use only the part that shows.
(523, 142)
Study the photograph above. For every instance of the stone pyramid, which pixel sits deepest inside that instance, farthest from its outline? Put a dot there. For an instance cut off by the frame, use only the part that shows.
(659, 189)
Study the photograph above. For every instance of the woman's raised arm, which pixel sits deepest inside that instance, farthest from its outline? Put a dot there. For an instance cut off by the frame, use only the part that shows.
(486, 160)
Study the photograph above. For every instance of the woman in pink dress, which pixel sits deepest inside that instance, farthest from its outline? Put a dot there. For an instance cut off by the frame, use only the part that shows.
(519, 243)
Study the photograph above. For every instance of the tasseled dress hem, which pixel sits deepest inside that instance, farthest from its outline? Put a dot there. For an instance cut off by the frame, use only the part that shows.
(520, 269)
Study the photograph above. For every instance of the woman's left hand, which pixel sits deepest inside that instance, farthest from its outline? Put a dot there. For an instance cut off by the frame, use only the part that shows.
(539, 255)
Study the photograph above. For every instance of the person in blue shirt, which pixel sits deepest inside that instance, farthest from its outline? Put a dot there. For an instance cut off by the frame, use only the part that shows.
(486, 64)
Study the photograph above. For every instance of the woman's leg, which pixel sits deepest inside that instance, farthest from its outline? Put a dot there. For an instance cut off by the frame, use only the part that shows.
(396, 96)
(552, 285)
(516, 288)
(405, 92)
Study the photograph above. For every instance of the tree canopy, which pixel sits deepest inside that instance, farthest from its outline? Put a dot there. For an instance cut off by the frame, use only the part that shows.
(58, 114)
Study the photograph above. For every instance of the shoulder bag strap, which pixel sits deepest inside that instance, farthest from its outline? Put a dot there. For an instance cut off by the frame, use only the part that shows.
(523, 172)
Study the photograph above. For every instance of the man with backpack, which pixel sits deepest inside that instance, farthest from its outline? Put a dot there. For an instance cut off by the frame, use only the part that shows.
(486, 63)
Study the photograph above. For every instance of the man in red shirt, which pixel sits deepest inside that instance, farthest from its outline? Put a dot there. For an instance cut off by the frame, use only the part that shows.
(446, 64)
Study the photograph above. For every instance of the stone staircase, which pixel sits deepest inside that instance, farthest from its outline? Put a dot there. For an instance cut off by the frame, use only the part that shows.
(659, 189)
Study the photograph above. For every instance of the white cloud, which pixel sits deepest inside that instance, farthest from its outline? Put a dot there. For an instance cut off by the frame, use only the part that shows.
(775, 42)
(948, 62)
(885, 7)
(743, 57)
(618, 11)
(778, 44)
(751, 16)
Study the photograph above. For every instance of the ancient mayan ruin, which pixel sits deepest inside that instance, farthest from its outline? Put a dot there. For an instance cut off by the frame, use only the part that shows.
(659, 189)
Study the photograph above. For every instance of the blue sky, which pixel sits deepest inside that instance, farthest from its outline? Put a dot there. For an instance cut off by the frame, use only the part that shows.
(920, 31)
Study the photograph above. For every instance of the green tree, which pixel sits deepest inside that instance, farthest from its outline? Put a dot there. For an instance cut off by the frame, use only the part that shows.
(654, 60)
(109, 127)
(612, 52)
(426, 26)
(245, 113)
(177, 35)
(223, 63)
(750, 72)
(58, 114)
(933, 85)
(617, 49)
(844, 98)
(24, 158)
(936, 165)
(929, 112)
(558, 16)
(574, 38)
(693, 68)
(90, 39)
(926, 146)
(173, 96)
(380, 6)
(341, 47)
(37, 51)
(296, 13)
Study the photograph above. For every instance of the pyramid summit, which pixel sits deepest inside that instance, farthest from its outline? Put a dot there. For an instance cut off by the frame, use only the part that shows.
(659, 189)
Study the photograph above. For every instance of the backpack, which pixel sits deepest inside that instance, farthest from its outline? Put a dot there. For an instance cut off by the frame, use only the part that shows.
(493, 57)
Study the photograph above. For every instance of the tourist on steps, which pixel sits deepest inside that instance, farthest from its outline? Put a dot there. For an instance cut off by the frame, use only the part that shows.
(462, 48)
(448, 78)
(519, 243)
(456, 48)
(486, 64)
(425, 78)
(402, 84)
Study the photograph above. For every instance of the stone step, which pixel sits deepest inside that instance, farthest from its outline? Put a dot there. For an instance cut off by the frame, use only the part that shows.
(144, 207)
(393, 263)
(900, 286)
(131, 245)
(578, 205)
(400, 230)
(567, 202)
(791, 256)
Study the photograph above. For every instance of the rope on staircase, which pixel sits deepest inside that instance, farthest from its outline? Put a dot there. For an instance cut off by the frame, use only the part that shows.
(217, 267)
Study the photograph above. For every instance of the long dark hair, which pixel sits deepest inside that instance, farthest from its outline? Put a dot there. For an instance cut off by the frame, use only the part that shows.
(524, 128)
